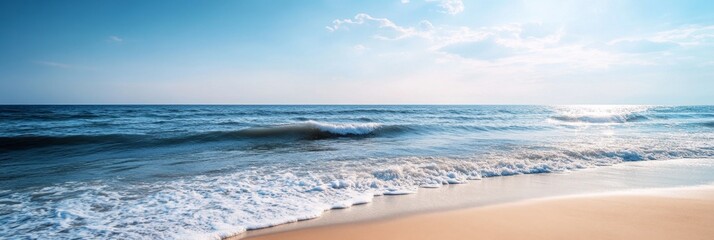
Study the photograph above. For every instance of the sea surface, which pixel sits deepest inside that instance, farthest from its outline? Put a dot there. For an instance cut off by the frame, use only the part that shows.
(194, 171)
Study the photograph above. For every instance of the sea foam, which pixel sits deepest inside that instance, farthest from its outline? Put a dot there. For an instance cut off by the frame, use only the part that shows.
(344, 128)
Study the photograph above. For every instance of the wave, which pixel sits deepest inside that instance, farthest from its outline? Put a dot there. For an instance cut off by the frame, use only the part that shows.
(344, 128)
(708, 124)
(32, 141)
(309, 130)
(49, 116)
(614, 118)
(226, 205)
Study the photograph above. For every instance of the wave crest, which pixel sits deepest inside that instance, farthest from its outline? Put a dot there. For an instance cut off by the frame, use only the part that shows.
(308, 130)
(601, 114)
(345, 128)
(317, 130)
(595, 118)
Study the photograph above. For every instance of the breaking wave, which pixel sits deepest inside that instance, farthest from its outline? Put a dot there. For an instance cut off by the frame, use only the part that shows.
(314, 128)
(633, 117)
(309, 130)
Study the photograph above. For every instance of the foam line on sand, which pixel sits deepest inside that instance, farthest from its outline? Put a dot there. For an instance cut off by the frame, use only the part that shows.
(672, 213)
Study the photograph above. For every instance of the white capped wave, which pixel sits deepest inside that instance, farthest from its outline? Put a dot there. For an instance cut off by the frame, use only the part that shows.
(344, 128)
(600, 114)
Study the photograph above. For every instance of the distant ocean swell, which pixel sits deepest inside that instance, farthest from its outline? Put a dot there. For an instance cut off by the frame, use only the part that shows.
(308, 130)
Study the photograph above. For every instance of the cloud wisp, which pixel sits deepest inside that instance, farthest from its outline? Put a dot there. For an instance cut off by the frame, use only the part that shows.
(686, 36)
(529, 45)
(115, 39)
(526, 45)
(452, 7)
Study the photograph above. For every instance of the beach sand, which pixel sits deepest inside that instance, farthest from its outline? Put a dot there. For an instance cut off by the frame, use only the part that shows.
(683, 213)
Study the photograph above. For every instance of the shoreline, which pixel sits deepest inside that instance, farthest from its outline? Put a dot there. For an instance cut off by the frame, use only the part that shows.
(615, 179)
(670, 213)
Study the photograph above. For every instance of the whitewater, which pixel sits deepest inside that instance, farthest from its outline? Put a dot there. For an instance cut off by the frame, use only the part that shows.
(208, 172)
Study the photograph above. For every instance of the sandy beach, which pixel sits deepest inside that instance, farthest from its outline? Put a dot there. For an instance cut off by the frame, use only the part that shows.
(400, 119)
(683, 213)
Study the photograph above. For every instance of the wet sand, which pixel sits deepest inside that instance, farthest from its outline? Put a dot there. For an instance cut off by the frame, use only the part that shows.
(680, 213)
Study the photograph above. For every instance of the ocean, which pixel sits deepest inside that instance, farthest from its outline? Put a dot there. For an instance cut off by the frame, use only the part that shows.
(210, 171)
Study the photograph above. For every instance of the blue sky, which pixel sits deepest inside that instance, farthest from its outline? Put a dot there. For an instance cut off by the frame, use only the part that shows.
(361, 52)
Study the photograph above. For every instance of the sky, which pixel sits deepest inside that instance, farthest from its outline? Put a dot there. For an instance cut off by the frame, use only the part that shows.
(357, 52)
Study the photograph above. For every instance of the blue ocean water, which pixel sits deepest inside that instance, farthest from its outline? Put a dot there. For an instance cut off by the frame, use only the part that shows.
(194, 171)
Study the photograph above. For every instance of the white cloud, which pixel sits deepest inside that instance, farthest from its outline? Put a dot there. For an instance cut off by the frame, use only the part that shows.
(523, 45)
(452, 7)
(425, 25)
(640, 46)
(688, 35)
(405, 1)
(692, 35)
(520, 60)
(508, 36)
(399, 32)
(115, 39)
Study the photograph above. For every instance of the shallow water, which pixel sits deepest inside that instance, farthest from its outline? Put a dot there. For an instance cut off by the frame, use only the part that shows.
(207, 171)
(629, 177)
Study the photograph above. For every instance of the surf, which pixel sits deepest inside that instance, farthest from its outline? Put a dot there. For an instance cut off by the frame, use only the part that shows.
(307, 130)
